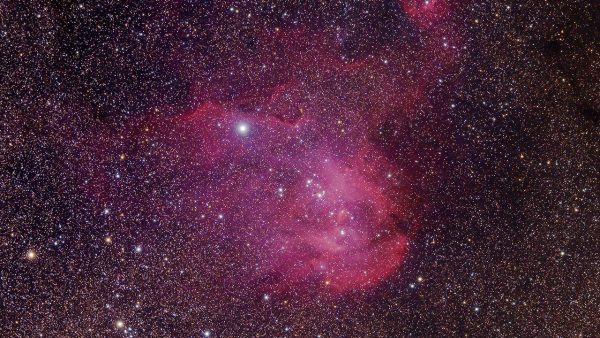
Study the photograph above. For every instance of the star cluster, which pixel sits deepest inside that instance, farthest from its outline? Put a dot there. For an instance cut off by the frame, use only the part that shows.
(299, 169)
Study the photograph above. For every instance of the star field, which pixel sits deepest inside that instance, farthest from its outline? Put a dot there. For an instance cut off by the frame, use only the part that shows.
(299, 169)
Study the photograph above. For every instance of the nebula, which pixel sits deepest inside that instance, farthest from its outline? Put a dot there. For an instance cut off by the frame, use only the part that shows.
(292, 160)
(425, 13)
(288, 167)
(319, 210)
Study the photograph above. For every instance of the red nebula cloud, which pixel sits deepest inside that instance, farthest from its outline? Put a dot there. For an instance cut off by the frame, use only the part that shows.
(320, 208)
(340, 226)
(318, 200)
(426, 13)
(306, 190)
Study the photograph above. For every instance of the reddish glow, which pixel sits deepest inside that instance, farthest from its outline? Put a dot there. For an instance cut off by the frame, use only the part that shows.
(292, 169)
(425, 13)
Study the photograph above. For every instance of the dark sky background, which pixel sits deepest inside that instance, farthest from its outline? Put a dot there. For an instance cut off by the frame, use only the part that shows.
(323, 169)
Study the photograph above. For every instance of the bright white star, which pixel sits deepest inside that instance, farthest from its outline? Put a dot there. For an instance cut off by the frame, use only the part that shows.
(242, 129)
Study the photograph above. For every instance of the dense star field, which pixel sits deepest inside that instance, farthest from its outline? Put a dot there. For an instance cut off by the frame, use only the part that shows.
(401, 168)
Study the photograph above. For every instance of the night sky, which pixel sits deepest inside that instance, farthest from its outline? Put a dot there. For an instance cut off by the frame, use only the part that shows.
(402, 168)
